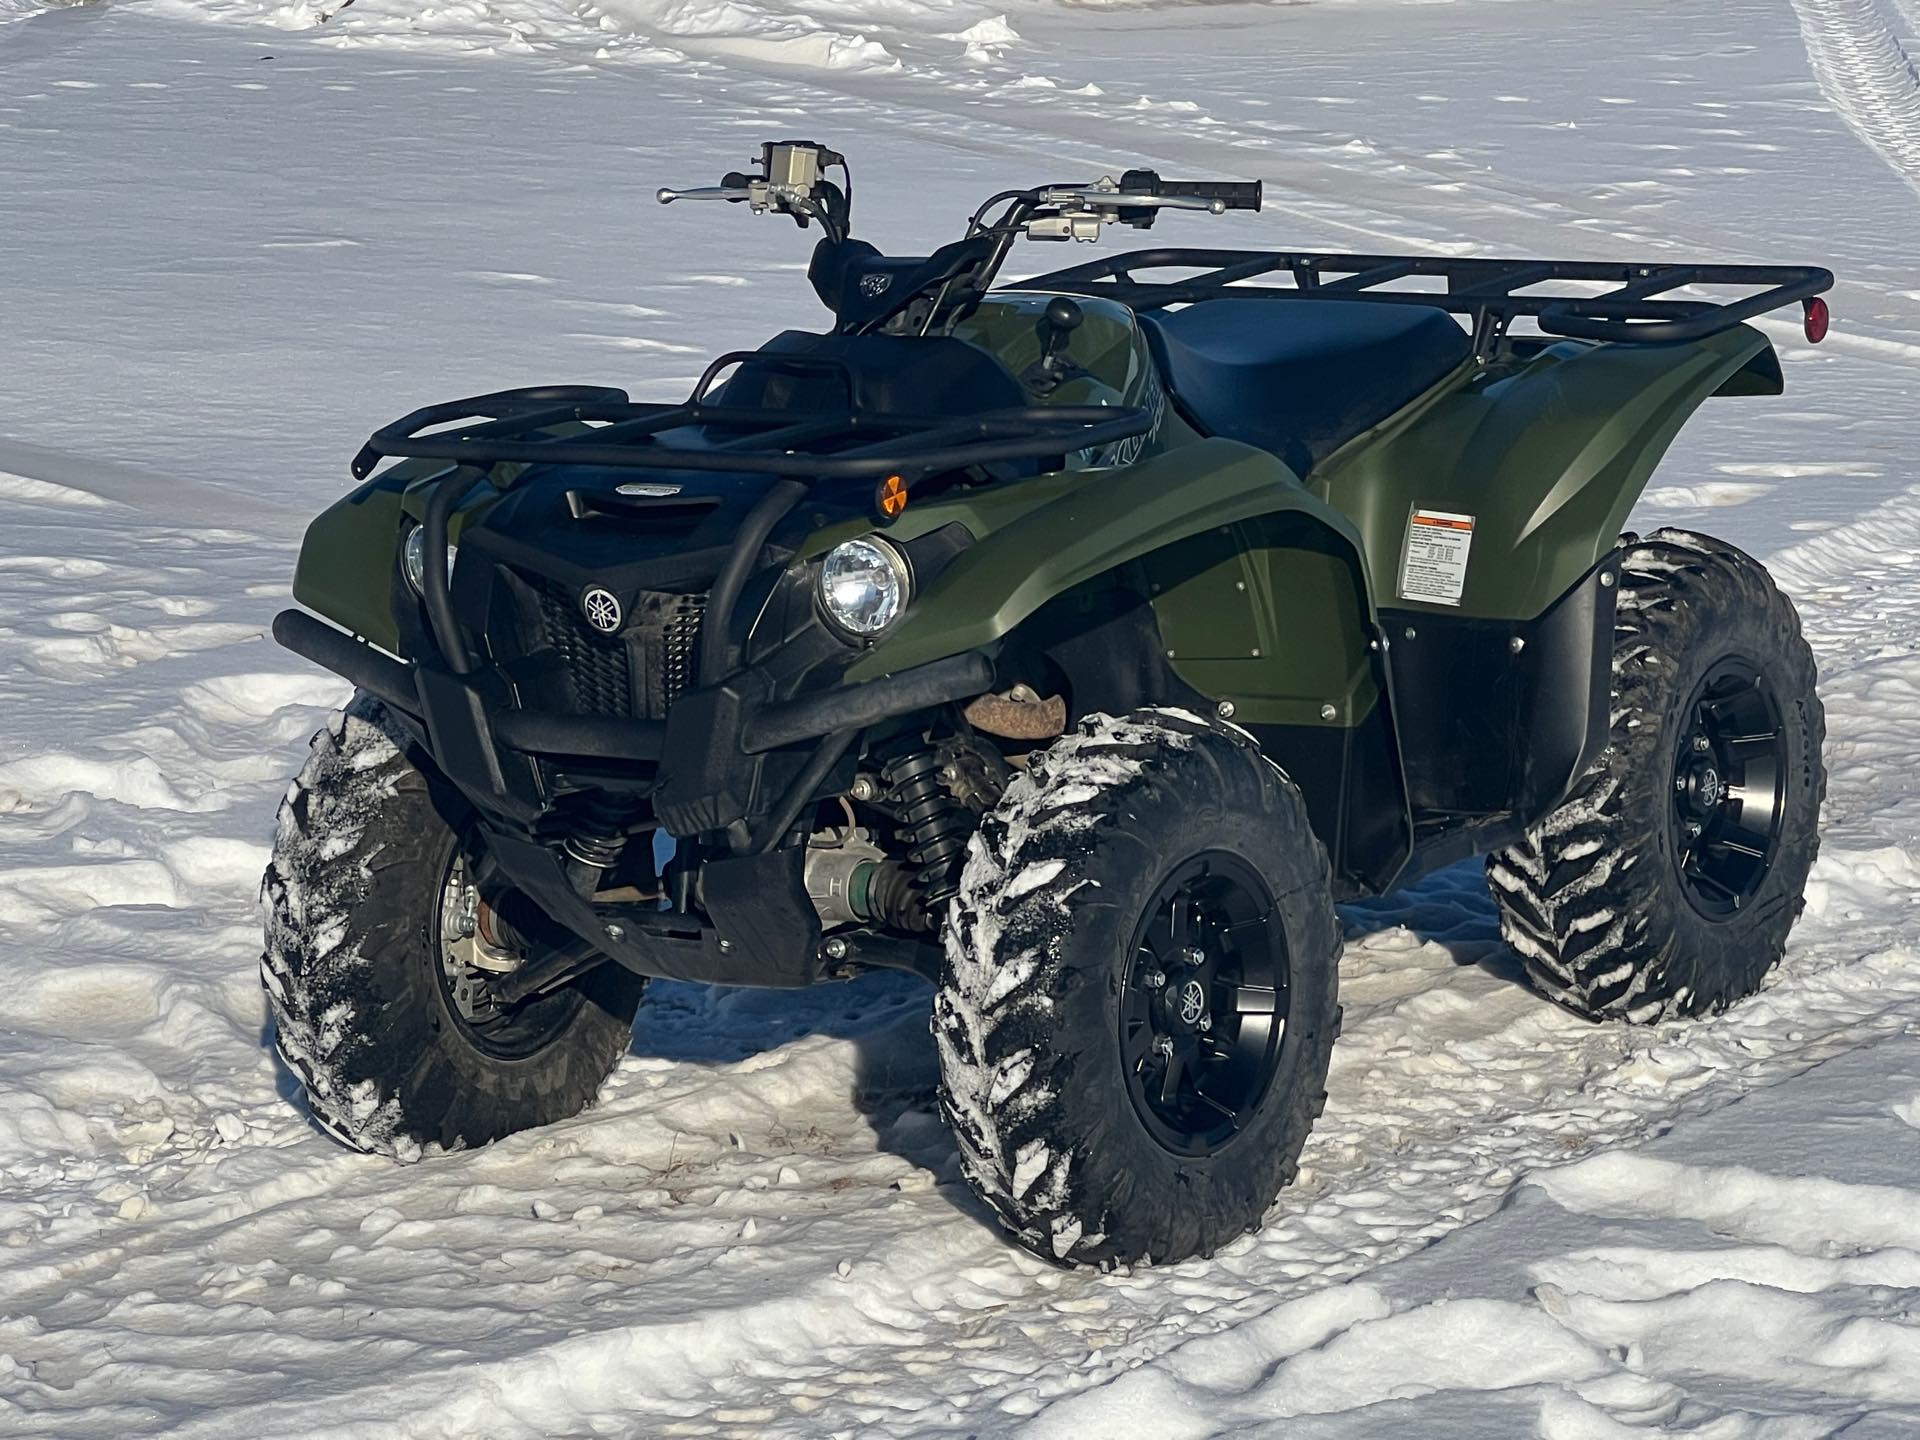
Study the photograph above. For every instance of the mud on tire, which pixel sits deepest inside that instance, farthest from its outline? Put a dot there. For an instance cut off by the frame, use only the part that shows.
(351, 908)
(1031, 1020)
(1602, 901)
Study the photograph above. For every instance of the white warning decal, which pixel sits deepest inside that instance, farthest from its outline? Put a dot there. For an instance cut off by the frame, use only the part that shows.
(1435, 569)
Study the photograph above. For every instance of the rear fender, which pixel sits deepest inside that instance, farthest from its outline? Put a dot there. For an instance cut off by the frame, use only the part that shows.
(1548, 455)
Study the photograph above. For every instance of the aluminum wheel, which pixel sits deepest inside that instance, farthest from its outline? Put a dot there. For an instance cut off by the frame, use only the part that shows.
(1728, 788)
(1204, 1008)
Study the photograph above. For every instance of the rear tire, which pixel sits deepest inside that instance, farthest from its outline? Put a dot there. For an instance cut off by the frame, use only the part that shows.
(1636, 899)
(1139, 1003)
(366, 1014)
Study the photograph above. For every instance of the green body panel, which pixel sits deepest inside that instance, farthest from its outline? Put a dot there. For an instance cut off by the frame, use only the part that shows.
(1235, 546)
(1548, 453)
(1272, 614)
(1263, 587)
(345, 569)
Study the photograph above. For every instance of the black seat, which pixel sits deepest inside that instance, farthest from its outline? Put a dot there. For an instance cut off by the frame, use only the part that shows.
(1300, 377)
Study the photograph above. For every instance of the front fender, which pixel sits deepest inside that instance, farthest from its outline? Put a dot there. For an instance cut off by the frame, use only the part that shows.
(345, 569)
(346, 566)
(1103, 519)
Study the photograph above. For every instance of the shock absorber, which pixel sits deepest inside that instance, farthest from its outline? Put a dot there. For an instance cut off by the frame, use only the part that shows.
(933, 823)
(598, 839)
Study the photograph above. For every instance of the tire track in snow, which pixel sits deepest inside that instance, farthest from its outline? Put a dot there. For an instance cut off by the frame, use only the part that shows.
(1867, 75)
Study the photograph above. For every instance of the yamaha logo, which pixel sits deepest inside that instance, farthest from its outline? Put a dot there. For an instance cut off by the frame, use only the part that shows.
(646, 490)
(874, 286)
(602, 609)
(1193, 1002)
(1712, 789)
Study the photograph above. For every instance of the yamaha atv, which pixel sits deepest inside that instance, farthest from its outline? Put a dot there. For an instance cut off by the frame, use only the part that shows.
(1075, 644)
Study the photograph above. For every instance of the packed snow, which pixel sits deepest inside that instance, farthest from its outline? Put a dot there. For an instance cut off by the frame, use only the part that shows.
(243, 232)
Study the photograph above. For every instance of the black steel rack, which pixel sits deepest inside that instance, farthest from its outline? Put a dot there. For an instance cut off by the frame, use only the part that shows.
(848, 442)
(1639, 308)
(796, 447)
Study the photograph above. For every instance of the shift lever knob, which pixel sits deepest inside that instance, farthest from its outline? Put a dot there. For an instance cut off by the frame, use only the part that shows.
(1063, 318)
(1057, 323)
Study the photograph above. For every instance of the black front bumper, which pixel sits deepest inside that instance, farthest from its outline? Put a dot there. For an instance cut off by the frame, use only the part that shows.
(705, 764)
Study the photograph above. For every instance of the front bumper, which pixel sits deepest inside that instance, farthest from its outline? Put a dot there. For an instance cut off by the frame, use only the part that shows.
(694, 748)
(704, 767)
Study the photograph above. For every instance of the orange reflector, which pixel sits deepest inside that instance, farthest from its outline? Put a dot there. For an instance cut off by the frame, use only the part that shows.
(891, 499)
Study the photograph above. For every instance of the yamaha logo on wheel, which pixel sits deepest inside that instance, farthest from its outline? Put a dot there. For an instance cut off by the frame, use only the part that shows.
(1193, 1002)
(602, 609)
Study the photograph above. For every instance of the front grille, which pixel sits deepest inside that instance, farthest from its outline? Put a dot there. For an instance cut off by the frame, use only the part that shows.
(640, 671)
(679, 631)
(598, 670)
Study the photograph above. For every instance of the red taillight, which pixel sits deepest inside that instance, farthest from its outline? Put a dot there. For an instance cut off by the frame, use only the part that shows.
(1818, 318)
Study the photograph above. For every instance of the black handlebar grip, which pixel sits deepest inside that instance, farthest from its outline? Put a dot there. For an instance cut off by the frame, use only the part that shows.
(1238, 194)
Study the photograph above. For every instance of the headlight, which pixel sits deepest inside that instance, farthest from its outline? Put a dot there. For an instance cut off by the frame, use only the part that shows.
(415, 556)
(865, 584)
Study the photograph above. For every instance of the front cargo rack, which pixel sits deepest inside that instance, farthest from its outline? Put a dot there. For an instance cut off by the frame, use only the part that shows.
(1638, 308)
(794, 446)
(849, 442)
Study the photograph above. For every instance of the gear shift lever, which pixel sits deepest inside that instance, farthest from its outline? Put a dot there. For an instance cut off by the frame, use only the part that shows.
(1061, 318)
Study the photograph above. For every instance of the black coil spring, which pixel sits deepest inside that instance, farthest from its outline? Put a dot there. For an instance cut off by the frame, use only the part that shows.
(600, 832)
(933, 823)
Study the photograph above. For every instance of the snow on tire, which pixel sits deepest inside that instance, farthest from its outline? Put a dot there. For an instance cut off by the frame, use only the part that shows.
(1714, 751)
(1143, 944)
(352, 966)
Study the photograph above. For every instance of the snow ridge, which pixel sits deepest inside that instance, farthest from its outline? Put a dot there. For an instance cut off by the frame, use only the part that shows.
(1867, 75)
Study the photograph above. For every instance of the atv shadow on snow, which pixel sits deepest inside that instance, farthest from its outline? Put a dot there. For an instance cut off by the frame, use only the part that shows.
(891, 1075)
(1451, 908)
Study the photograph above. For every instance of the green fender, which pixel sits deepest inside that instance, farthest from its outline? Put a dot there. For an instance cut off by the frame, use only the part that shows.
(1207, 518)
(345, 569)
(1548, 455)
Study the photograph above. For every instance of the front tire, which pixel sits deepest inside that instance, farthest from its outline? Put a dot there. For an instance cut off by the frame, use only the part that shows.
(371, 1015)
(1138, 1007)
(1667, 882)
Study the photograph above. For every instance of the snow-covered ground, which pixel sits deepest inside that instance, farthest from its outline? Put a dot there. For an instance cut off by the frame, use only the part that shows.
(236, 237)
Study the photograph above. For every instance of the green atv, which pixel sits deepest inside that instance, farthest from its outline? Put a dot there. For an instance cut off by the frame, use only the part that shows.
(1076, 645)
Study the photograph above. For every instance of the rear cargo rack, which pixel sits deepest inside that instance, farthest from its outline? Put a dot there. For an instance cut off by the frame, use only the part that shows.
(850, 442)
(1638, 309)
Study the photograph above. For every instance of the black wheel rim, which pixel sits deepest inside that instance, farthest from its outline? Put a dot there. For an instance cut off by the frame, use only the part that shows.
(469, 999)
(1729, 788)
(1203, 1010)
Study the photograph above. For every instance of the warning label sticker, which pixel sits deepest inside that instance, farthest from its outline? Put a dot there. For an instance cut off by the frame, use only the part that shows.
(1435, 568)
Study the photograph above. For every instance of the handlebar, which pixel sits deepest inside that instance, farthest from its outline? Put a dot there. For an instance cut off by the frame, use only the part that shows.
(789, 178)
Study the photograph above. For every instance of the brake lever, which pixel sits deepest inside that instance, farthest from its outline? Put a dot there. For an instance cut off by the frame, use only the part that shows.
(1097, 198)
(734, 193)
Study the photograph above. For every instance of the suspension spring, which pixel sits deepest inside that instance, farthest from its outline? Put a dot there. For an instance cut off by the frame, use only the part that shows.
(933, 823)
(600, 833)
